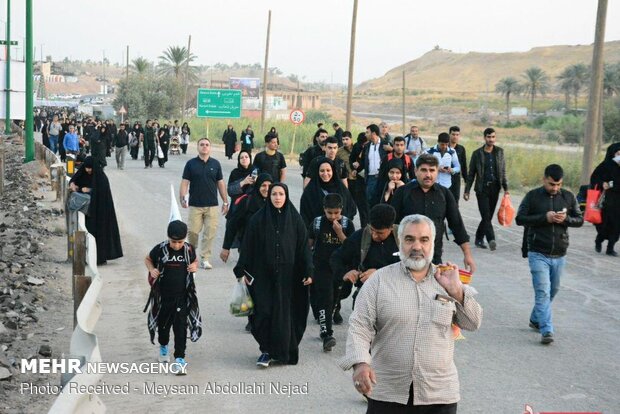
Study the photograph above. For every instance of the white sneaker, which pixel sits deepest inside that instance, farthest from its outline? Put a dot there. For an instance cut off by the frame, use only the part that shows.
(206, 265)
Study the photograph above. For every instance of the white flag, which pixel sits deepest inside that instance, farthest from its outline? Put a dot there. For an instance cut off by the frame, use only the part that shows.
(175, 213)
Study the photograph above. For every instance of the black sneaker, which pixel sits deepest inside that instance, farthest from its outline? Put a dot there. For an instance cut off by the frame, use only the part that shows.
(337, 318)
(328, 343)
(480, 243)
(547, 338)
(534, 326)
(263, 360)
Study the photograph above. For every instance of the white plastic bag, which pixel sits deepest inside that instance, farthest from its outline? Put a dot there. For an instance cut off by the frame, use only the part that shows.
(241, 303)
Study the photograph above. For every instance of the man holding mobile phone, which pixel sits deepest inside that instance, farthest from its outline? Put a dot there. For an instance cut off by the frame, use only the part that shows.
(547, 212)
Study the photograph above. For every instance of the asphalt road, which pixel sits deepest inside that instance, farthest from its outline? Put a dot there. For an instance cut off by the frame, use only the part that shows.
(502, 366)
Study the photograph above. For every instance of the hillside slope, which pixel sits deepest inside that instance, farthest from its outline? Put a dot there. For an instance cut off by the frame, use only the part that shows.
(443, 70)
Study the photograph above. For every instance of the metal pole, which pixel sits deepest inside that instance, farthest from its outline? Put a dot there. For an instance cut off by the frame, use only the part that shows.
(103, 66)
(29, 85)
(596, 90)
(404, 103)
(351, 65)
(189, 44)
(7, 114)
(262, 110)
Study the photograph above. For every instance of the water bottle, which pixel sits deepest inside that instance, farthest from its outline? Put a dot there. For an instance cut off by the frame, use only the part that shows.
(255, 173)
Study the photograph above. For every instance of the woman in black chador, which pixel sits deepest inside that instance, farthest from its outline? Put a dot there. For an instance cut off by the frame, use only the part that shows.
(324, 181)
(275, 253)
(230, 140)
(101, 217)
(607, 177)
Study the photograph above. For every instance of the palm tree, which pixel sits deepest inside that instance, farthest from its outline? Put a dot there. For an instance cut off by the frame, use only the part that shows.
(536, 82)
(508, 86)
(611, 80)
(173, 61)
(573, 79)
(141, 65)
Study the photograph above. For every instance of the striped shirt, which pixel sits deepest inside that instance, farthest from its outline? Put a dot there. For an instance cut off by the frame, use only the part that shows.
(408, 333)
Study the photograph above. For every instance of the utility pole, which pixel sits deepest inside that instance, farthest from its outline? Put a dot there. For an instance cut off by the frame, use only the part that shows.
(265, 71)
(596, 91)
(351, 64)
(103, 65)
(29, 156)
(127, 65)
(189, 44)
(7, 108)
(404, 103)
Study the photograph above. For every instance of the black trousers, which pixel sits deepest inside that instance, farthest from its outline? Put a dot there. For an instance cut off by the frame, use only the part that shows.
(183, 148)
(487, 201)
(357, 188)
(455, 188)
(149, 153)
(383, 407)
(164, 148)
(322, 299)
(133, 151)
(173, 314)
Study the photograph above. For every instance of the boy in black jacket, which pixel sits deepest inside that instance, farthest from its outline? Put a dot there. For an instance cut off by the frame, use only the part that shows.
(173, 302)
(328, 233)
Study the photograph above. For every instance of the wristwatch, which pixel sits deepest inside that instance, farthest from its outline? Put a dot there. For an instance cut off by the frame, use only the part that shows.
(224, 204)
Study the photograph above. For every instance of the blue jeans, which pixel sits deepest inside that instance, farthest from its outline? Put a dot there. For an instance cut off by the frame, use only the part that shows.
(54, 143)
(371, 190)
(546, 273)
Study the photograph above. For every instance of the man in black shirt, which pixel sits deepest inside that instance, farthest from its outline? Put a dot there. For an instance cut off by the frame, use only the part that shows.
(338, 131)
(202, 180)
(271, 161)
(149, 144)
(425, 196)
(365, 251)
(314, 151)
(461, 153)
(488, 169)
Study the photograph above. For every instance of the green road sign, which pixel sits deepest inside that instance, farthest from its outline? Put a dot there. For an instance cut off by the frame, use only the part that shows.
(13, 42)
(219, 103)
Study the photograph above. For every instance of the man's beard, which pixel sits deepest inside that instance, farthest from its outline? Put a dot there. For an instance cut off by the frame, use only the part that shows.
(416, 260)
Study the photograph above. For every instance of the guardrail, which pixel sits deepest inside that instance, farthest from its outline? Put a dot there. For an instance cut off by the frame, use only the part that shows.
(87, 284)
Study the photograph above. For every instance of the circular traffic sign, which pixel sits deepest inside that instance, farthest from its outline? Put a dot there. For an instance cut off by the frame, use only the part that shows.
(297, 116)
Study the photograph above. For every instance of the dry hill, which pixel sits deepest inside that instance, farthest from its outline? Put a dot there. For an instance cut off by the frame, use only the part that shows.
(443, 70)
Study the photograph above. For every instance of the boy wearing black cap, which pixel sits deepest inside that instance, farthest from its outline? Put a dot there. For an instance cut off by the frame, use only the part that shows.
(173, 300)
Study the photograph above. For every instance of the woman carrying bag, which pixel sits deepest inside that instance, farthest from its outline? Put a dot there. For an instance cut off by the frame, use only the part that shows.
(607, 177)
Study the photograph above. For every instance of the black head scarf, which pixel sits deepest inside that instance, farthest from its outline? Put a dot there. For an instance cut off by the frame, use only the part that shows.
(311, 204)
(611, 151)
(256, 201)
(240, 172)
(397, 163)
(81, 178)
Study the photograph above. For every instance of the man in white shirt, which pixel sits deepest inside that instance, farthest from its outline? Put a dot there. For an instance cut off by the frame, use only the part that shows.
(414, 144)
(448, 160)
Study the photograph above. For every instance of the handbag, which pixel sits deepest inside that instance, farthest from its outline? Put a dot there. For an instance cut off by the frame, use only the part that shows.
(593, 213)
(506, 212)
(160, 152)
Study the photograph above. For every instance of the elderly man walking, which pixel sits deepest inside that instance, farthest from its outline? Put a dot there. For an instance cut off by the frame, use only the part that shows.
(400, 342)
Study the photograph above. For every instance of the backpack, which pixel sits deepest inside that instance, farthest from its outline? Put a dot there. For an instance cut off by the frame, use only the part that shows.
(133, 140)
(367, 240)
(316, 225)
(407, 160)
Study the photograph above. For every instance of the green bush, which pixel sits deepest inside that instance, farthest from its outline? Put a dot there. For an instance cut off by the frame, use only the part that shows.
(611, 120)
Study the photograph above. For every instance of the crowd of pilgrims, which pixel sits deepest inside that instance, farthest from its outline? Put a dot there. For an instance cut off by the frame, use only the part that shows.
(65, 131)
(312, 258)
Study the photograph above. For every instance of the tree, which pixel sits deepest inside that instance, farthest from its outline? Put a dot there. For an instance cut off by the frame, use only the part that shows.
(611, 80)
(147, 95)
(508, 86)
(172, 62)
(536, 83)
(141, 65)
(573, 79)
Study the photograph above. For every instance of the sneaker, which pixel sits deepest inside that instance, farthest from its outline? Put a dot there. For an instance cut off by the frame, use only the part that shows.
(183, 366)
(534, 326)
(337, 318)
(206, 265)
(480, 243)
(492, 245)
(263, 360)
(547, 338)
(328, 343)
(164, 356)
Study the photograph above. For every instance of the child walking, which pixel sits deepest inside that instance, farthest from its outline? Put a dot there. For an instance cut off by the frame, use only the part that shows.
(173, 302)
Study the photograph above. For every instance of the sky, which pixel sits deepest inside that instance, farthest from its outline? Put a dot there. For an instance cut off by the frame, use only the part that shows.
(308, 38)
